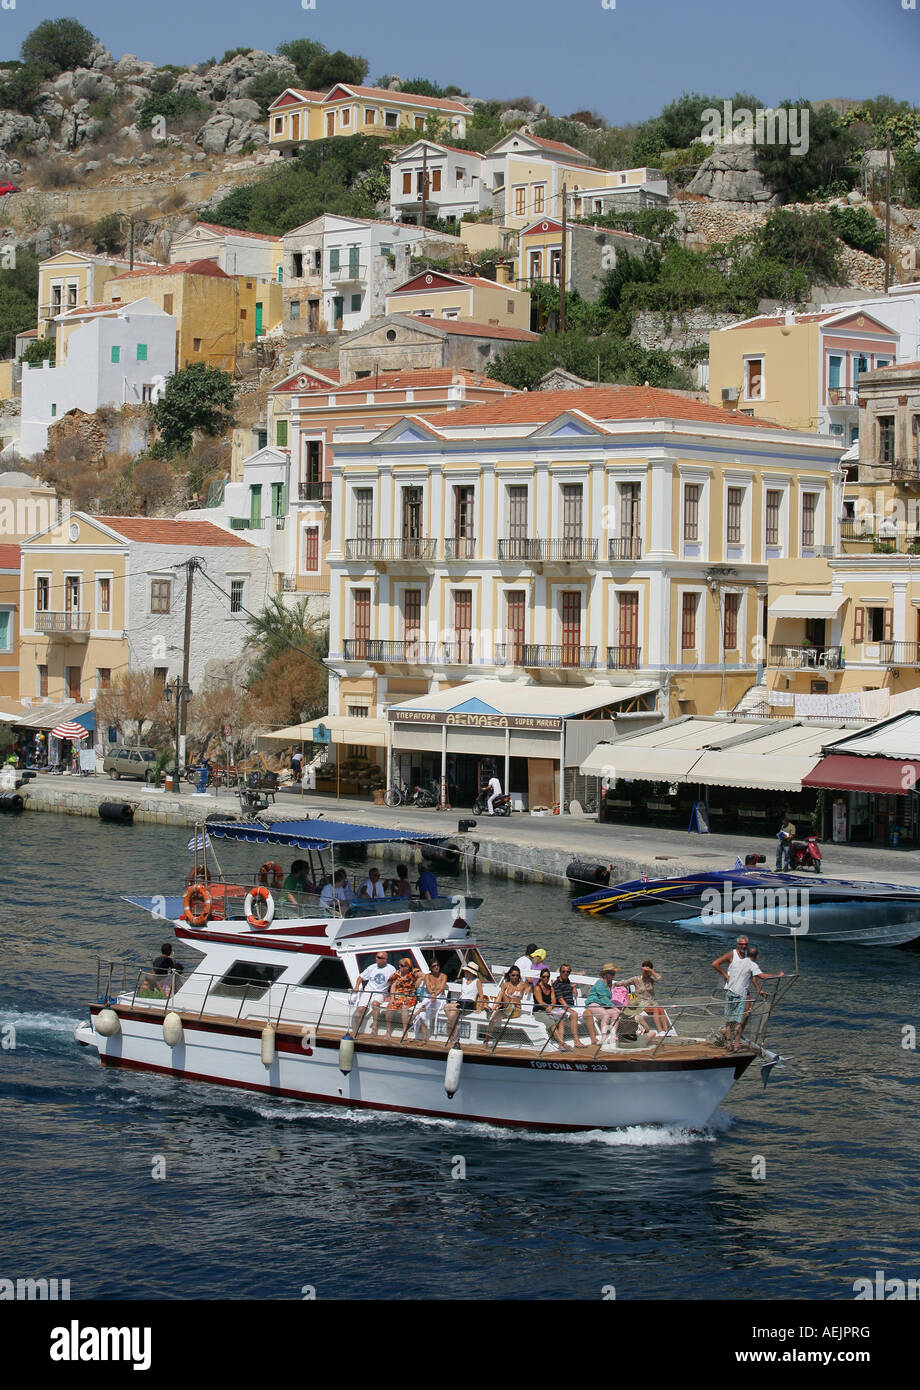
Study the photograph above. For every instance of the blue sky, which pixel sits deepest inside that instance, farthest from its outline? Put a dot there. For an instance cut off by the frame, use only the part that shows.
(624, 63)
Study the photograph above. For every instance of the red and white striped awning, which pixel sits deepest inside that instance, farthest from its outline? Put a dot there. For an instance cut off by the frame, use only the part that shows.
(75, 732)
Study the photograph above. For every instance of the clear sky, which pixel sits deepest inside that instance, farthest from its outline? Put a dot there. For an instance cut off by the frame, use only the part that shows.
(624, 62)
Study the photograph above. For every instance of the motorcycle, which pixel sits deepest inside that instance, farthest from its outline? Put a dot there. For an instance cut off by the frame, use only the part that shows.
(500, 807)
(424, 796)
(805, 854)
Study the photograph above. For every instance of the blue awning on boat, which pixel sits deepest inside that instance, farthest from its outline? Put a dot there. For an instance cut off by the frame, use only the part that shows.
(313, 834)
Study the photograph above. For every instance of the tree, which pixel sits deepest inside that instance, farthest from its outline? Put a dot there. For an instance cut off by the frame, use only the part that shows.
(612, 358)
(18, 297)
(197, 398)
(37, 351)
(802, 241)
(795, 172)
(153, 483)
(20, 88)
(107, 235)
(292, 690)
(858, 228)
(265, 88)
(57, 45)
(221, 703)
(318, 69)
(134, 701)
(279, 628)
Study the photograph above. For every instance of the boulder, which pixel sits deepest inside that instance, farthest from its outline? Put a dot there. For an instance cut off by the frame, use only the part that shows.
(131, 66)
(214, 135)
(91, 85)
(730, 174)
(244, 108)
(92, 165)
(15, 129)
(100, 58)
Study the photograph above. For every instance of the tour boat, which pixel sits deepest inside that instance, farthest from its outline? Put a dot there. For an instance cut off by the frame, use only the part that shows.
(271, 1006)
(767, 904)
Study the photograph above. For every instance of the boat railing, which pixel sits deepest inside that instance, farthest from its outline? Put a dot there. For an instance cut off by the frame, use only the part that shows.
(261, 1000)
(228, 902)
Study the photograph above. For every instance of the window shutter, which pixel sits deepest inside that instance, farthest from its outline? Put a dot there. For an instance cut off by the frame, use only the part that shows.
(859, 625)
(889, 624)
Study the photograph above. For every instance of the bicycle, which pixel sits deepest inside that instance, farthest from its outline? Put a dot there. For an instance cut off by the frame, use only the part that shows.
(397, 795)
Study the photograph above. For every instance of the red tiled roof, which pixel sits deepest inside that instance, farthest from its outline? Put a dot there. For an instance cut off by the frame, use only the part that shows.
(477, 330)
(403, 98)
(235, 231)
(9, 557)
(162, 531)
(438, 144)
(419, 378)
(777, 320)
(898, 367)
(601, 403)
(180, 268)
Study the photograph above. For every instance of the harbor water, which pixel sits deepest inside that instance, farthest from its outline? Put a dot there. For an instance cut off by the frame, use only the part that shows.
(141, 1186)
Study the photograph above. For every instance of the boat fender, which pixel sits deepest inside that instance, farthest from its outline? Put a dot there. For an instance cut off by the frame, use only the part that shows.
(262, 893)
(107, 1023)
(452, 1070)
(346, 1054)
(172, 1029)
(12, 803)
(121, 812)
(268, 1045)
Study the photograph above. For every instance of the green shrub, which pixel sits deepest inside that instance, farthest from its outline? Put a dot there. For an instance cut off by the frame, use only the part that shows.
(57, 45)
(172, 106)
(858, 228)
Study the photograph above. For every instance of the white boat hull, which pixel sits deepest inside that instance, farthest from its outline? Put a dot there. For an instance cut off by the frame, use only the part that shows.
(552, 1092)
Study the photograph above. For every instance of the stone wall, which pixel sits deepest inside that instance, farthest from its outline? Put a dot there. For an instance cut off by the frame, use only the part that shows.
(673, 332)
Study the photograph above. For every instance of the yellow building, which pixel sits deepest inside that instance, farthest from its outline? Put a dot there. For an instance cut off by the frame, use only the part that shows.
(590, 253)
(73, 279)
(9, 622)
(799, 369)
(435, 294)
(215, 312)
(297, 116)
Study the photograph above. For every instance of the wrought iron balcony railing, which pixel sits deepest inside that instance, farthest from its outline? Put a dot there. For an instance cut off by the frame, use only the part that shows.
(460, 548)
(900, 653)
(314, 492)
(546, 658)
(392, 548)
(71, 621)
(807, 658)
(624, 548)
(624, 658)
(411, 653)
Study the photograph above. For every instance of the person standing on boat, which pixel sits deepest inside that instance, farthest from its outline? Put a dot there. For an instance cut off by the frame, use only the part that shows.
(472, 1000)
(372, 887)
(374, 982)
(430, 1005)
(738, 971)
(528, 963)
(753, 954)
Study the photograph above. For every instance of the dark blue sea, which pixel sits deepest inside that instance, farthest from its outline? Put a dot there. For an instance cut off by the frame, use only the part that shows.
(265, 1198)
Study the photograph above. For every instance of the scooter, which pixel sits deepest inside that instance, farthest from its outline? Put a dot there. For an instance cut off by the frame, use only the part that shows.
(805, 854)
(501, 806)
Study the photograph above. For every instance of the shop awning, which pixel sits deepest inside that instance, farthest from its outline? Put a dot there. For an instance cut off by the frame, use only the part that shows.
(367, 733)
(519, 700)
(48, 716)
(849, 773)
(807, 606)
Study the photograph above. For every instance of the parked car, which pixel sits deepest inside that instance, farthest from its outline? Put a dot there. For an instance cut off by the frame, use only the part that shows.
(130, 762)
(9, 188)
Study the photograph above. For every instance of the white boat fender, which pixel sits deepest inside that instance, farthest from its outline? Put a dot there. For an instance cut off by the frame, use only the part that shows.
(346, 1054)
(172, 1029)
(268, 1045)
(107, 1023)
(452, 1070)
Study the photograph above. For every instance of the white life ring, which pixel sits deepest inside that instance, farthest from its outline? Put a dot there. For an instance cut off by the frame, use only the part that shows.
(261, 892)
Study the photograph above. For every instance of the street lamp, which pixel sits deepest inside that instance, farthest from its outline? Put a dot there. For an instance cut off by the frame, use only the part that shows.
(175, 692)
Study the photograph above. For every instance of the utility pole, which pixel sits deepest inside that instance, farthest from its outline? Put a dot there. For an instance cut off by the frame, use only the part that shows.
(424, 183)
(131, 241)
(887, 212)
(191, 566)
(563, 259)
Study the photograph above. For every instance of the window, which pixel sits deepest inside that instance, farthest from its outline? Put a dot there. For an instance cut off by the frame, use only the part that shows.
(354, 262)
(160, 595)
(412, 615)
(420, 122)
(510, 304)
(71, 296)
(116, 354)
(370, 115)
(294, 309)
(42, 594)
(236, 595)
(43, 681)
(411, 513)
(873, 624)
(732, 604)
(311, 549)
(53, 410)
(886, 439)
(463, 623)
(571, 627)
(279, 124)
(630, 502)
(357, 711)
(733, 504)
(535, 265)
(196, 345)
(281, 433)
(407, 181)
(361, 620)
(167, 304)
(436, 181)
(6, 629)
(161, 674)
(520, 196)
(297, 264)
(834, 369)
(147, 393)
(628, 623)
(334, 259)
(555, 265)
(103, 677)
(314, 460)
(244, 313)
(463, 512)
(72, 593)
(809, 509)
(73, 682)
(247, 980)
(364, 513)
(692, 493)
(515, 618)
(753, 378)
(771, 516)
(261, 438)
(391, 119)
(356, 304)
(572, 511)
(345, 115)
(142, 352)
(328, 973)
(539, 196)
(105, 596)
(815, 632)
(688, 609)
(518, 510)
(278, 500)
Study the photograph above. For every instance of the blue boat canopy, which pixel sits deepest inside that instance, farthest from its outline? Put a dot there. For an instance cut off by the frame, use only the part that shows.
(313, 834)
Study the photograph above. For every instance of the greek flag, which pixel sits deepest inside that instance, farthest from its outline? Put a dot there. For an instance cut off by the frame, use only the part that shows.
(199, 842)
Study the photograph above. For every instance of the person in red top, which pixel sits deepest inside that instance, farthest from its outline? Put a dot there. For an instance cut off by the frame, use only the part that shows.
(402, 995)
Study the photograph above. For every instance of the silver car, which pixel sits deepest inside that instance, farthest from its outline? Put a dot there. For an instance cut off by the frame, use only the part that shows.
(131, 762)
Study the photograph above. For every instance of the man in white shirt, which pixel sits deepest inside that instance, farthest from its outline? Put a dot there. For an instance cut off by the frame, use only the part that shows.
(495, 790)
(371, 990)
(337, 895)
(372, 887)
(739, 972)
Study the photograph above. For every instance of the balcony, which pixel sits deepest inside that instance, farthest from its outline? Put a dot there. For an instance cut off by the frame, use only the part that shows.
(62, 623)
(627, 658)
(302, 584)
(899, 653)
(247, 523)
(624, 548)
(905, 470)
(411, 548)
(807, 658)
(414, 653)
(546, 658)
(457, 653)
(520, 549)
(842, 395)
(460, 548)
(314, 492)
(349, 274)
(568, 549)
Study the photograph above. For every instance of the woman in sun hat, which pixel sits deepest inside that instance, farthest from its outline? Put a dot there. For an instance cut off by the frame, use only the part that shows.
(600, 1005)
(471, 1000)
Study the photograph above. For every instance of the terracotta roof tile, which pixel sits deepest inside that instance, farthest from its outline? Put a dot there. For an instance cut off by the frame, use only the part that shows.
(601, 403)
(162, 531)
(417, 380)
(404, 98)
(180, 268)
(236, 231)
(479, 330)
(9, 557)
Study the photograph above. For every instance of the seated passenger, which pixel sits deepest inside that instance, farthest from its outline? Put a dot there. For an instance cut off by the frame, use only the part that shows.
(336, 896)
(472, 1000)
(643, 986)
(371, 990)
(434, 985)
(600, 1006)
(546, 1009)
(372, 887)
(402, 995)
(297, 880)
(400, 887)
(566, 994)
(508, 1001)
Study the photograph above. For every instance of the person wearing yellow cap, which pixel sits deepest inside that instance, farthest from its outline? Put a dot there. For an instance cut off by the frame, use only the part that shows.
(531, 963)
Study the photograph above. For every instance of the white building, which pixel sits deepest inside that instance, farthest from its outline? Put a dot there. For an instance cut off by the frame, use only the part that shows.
(112, 354)
(898, 310)
(450, 179)
(237, 253)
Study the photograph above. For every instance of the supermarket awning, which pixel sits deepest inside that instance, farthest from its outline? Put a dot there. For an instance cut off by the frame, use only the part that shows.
(850, 773)
(367, 733)
(521, 704)
(807, 606)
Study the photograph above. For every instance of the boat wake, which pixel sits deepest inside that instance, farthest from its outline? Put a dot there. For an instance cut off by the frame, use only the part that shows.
(24, 1022)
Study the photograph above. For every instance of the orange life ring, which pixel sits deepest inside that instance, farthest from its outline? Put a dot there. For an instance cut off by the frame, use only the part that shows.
(271, 867)
(199, 875)
(196, 905)
(260, 893)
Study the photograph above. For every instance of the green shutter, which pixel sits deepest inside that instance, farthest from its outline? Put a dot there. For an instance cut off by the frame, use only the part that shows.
(333, 260)
(116, 354)
(142, 352)
(255, 505)
(281, 434)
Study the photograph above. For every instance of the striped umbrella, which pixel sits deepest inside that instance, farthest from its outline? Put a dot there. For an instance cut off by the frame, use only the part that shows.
(75, 732)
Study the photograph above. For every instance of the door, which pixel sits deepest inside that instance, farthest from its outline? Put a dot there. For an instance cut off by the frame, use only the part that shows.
(542, 782)
(628, 628)
(571, 627)
(258, 318)
(255, 506)
(330, 124)
(412, 622)
(463, 623)
(353, 263)
(338, 309)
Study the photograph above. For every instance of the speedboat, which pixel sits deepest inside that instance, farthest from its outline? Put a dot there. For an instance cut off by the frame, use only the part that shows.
(767, 904)
(273, 1004)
